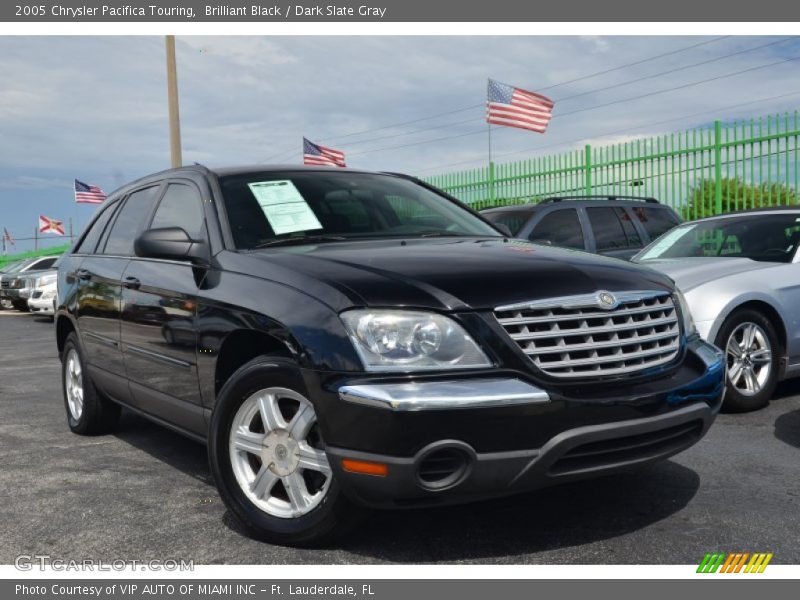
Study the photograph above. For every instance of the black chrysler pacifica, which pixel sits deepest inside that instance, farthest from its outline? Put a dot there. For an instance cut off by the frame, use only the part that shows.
(342, 338)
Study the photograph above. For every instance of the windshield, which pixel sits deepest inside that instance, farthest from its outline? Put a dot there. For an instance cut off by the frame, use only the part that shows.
(264, 208)
(764, 237)
(513, 219)
(18, 266)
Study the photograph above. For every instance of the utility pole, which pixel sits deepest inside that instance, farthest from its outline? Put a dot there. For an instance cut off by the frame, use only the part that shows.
(174, 112)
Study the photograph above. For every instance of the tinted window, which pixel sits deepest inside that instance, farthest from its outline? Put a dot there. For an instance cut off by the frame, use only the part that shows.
(612, 228)
(90, 239)
(265, 208)
(513, 219)
(656, 221)
(182, 207)
(560, 228)
(765, 237)
(44, 264)
(130, 221)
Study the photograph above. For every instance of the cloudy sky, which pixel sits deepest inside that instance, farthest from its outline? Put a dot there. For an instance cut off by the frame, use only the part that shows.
(95, 107)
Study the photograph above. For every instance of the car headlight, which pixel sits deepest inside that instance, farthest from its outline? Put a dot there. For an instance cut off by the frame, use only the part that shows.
(405, 340)
(686, 315)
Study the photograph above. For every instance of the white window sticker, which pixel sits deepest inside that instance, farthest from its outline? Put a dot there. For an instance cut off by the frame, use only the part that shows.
(285, 208)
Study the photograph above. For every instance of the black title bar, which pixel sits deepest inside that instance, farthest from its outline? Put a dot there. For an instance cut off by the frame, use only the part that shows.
(132, 11)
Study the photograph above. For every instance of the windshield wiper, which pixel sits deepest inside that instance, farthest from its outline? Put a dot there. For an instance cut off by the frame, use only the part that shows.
(429, 234)
(296, 241)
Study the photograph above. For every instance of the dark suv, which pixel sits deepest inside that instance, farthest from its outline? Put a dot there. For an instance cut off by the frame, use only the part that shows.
(617, 226)
(343, 338)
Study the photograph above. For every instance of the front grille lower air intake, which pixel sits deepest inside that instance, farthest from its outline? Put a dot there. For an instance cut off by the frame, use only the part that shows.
(597, 334)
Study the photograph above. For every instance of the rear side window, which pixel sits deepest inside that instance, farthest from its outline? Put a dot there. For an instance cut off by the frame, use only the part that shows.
(130, 221)
(656, 221)
(612, 228)
(181, 207)
(89, 241)
(560, 228)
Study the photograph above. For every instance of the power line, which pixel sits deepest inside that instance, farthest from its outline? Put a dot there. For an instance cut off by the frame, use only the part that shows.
(586, 109)
(473, 106)
(595, 91)
(615, 132)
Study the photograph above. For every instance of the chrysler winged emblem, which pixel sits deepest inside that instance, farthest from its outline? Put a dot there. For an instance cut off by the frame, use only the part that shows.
(606, 300)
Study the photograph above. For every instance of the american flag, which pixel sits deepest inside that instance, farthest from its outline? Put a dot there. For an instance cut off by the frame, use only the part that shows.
(48, 225)
(513, 107)
(314, 154)
(7, 237)
(88, 194)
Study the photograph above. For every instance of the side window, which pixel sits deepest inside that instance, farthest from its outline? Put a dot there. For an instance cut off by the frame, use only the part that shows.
(656, 221)
(612, 228)
(89, 242)
(47, 263)
(130, 221)
(181, 207)
(561, 228)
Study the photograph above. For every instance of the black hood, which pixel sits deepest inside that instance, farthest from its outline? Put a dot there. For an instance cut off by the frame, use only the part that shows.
(449, 274)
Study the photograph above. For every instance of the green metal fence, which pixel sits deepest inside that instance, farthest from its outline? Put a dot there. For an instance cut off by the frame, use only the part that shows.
(699, 172)
(12, 258)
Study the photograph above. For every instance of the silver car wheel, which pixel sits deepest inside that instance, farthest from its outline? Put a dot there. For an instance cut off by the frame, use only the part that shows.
(73, 384)
(749, 357)
(276, 453)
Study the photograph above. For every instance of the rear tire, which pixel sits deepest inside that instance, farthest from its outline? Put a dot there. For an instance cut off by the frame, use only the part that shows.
(752, 352)
(274, 476)
(88, 412)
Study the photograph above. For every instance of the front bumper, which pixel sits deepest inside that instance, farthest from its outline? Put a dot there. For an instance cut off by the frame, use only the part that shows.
(41, 305)
(463, 452)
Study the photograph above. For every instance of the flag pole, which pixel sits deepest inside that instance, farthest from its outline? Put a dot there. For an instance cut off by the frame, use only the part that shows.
(491, 165)
(35, 238)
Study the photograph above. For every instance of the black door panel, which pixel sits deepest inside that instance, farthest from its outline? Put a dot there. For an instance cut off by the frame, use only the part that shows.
(98, 309)
(158, 330)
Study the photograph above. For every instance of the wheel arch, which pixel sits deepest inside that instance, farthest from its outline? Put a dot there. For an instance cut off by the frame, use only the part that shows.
(769, 311)
(64, 326)
(240, 347)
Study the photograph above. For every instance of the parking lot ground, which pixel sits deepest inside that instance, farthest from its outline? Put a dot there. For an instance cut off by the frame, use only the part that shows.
(146, 493)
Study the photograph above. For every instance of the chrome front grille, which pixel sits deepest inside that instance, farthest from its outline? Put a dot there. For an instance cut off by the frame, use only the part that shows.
(597, 334)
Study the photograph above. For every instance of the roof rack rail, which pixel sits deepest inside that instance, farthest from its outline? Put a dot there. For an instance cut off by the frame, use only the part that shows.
(611, 197)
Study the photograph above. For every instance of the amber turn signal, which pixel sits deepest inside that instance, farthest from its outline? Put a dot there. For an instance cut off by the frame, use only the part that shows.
(365, 467)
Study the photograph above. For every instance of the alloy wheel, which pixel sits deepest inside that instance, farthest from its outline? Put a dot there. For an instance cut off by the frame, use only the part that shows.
(277, 453)
(73, 383)
(749, 357)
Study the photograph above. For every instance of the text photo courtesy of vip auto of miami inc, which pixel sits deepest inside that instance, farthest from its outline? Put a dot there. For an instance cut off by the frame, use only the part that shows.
(386, 299)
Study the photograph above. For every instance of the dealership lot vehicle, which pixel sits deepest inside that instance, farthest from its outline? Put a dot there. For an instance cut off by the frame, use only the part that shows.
(43, 296)
(354, 334)
(741, 278)
(617, 226)
(145, 492)
(14, 280)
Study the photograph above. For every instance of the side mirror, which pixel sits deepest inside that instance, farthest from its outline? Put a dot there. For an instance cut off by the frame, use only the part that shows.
(504, 229)
(171, 243)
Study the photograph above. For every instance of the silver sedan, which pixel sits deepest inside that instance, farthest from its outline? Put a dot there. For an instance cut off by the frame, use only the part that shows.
(740, 274)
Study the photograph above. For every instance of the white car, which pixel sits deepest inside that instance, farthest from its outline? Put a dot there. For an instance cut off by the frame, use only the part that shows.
(43, 294)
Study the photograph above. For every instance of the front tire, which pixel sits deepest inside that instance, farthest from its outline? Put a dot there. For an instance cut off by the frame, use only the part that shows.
(88, 413)
(268, 460)
(752, 353)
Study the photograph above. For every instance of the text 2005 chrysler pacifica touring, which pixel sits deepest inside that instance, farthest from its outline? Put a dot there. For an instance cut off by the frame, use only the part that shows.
(344, 338)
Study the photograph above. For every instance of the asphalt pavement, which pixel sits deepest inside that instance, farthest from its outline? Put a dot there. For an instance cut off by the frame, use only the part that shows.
(146, 493)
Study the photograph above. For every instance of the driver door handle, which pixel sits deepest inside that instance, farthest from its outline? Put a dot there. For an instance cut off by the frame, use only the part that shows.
(83, 274)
